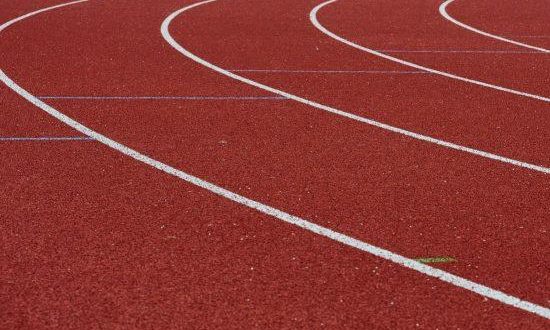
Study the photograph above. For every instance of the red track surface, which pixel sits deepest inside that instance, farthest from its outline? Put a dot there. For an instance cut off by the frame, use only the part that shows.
(528, 23)
(94, 239)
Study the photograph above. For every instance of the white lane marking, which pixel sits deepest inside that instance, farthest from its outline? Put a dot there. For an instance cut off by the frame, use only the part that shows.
(45, 138)
(166, 34)
(268, 210)
(330, 71)
(198, 98)
(315, 21)
(444, 13)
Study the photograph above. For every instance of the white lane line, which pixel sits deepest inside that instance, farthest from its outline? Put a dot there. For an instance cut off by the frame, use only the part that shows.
(166, 34)
(331, 71)
(268, 210)
(192, 98)
(45, 138)
(315, 21)
(444, 13)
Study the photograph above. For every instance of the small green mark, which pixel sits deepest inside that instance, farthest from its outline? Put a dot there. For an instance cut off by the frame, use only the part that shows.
(434, 260)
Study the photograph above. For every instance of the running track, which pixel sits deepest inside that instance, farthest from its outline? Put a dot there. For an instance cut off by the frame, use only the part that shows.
(93, 238)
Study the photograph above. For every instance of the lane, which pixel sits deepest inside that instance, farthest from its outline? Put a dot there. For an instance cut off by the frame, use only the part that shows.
(443, 11)
(24, 120)
(526, 23)
(390, 321)
(113, 71)
(399, 22)
(11, 9)
(99, 241)
(314, 20)
(446, 110)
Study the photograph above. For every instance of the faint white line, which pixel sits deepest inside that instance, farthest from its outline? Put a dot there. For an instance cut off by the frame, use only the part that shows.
(46, 138)
(331, 71)
(443, 12)
(458, 51)
(531, 36)
(199, 98)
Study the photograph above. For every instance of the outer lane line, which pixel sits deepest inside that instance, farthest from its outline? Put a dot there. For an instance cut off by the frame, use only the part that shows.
(268, 210)
(320, 27)
(444, 13)
(166, 34)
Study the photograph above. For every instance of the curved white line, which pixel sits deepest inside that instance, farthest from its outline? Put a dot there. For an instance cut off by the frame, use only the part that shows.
(166, 34)
(268, 210)
(313, 18)
(444, 13)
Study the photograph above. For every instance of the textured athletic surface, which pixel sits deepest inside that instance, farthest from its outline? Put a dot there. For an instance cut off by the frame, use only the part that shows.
(94, 239)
